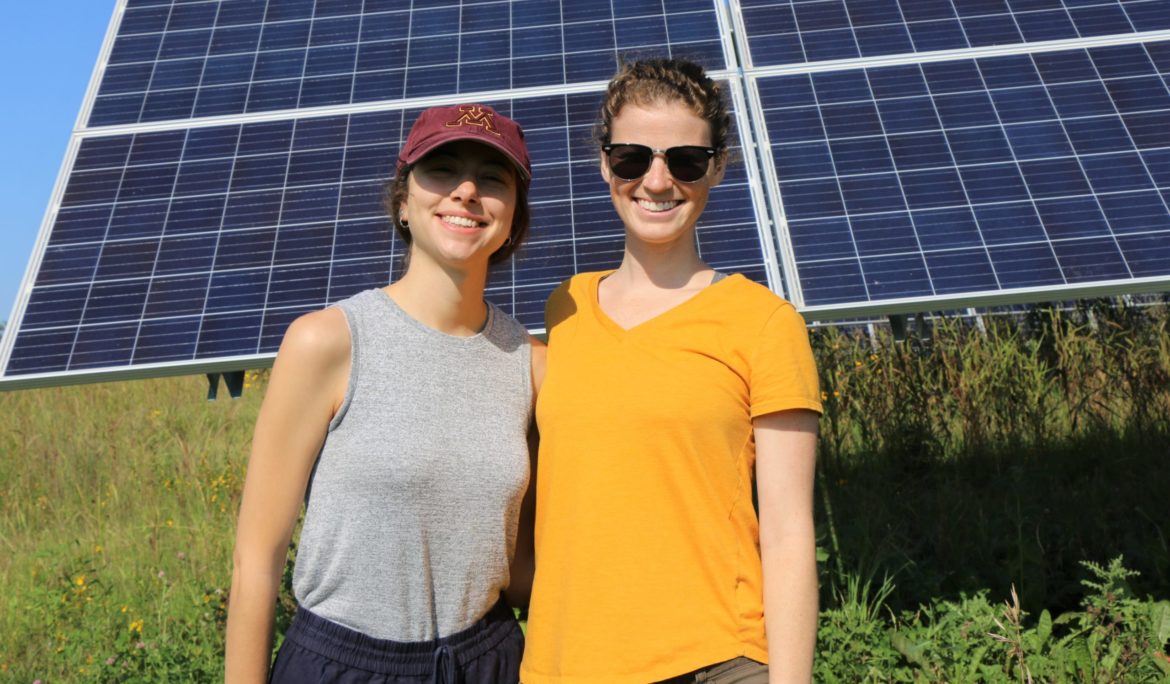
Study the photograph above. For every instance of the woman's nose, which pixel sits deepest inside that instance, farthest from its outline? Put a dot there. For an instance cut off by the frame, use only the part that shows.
(657, 177)
(466, 189)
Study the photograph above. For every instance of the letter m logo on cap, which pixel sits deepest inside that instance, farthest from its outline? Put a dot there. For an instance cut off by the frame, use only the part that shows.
(475, 115)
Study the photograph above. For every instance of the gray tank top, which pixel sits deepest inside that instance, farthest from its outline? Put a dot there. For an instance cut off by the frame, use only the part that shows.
(411, 514)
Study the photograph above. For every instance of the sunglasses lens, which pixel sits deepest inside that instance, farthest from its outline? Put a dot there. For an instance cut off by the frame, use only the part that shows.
(687, 164)
(629, 162)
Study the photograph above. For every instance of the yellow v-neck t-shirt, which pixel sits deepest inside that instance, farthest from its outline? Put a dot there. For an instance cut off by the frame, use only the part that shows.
(647, 541)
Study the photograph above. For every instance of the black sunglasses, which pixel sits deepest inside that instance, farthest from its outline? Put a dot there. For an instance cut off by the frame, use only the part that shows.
(687, 163)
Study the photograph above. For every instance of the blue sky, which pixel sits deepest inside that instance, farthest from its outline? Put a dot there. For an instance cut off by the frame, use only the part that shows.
(47, 54)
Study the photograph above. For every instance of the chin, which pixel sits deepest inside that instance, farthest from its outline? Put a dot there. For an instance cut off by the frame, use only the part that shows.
(659, 235)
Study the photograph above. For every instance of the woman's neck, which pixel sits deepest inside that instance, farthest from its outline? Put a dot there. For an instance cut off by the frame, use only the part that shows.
(448, 300)
(661, 266)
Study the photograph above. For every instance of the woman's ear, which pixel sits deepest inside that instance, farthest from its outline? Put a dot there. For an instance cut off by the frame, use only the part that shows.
(605, 173)
(720, 168)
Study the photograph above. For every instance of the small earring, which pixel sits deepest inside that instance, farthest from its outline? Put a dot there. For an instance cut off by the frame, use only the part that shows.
(403, 222)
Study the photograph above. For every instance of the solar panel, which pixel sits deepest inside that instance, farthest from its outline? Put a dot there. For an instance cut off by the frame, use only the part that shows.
(978, 175)
(891, 156)
(204, 242)
(793, 31)
(198, 59)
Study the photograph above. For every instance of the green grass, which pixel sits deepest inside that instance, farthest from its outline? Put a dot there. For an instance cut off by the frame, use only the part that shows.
(954, 468)
(118, 506)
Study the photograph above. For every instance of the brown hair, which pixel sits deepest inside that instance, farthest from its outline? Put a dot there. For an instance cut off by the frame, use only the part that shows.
(394, 194)
(654, 81)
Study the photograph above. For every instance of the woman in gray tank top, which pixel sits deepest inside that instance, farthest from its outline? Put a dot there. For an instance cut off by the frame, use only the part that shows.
(400, 418)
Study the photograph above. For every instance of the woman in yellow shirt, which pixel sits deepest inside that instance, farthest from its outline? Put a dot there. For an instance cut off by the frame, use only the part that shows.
(670, 389)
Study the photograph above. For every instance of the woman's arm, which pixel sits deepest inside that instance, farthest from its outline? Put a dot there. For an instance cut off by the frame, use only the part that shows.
(523, 560)
(785, 467)
(307, 386)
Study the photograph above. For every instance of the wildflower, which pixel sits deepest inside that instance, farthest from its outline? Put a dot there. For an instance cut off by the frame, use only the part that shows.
(79, 580)
(857, 364)
(137, 625)
(170, 523)
(836, 394)
(155, 413)
(140, 645)
(111, 660)
(161, 574)
(824, 395)
(125, 608)
(97, 548)
(873, 357)
(182, 555)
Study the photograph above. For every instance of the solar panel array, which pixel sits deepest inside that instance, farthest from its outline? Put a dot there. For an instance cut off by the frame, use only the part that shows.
(891, 155)
(986, 174)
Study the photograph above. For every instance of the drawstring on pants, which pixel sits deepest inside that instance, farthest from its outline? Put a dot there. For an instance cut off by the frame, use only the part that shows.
(446, 669)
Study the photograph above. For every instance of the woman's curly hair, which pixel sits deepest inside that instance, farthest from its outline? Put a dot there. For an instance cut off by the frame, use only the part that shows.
(653, 81)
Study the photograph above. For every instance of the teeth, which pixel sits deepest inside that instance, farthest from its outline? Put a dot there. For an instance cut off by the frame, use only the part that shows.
(657, 206)
(461, 221)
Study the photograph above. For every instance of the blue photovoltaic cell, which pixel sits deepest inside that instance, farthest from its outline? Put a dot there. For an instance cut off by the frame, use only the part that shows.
(976, 175)
(213, 58)
(788, 31)
(201, 243)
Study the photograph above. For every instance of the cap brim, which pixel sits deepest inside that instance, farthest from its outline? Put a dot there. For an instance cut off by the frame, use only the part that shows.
(429, 147)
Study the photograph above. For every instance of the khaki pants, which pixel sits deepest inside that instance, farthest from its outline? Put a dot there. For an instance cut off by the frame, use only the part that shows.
(738, 671)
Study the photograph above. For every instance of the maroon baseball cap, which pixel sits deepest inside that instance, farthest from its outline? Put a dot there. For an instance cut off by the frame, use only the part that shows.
(480, 123)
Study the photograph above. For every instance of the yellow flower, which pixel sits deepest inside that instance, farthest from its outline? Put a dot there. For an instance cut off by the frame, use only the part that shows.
(80, 580)
(857, 364)
(824, 396)
(97, 548)
(836, 393)
(125, 608)
(170, 523)
(136, 625)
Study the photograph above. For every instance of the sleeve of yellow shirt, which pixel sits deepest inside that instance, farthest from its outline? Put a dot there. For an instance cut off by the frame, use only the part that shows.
(783, 372)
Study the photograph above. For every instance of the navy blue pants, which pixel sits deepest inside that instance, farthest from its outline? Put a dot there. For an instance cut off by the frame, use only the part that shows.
(316, 650)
